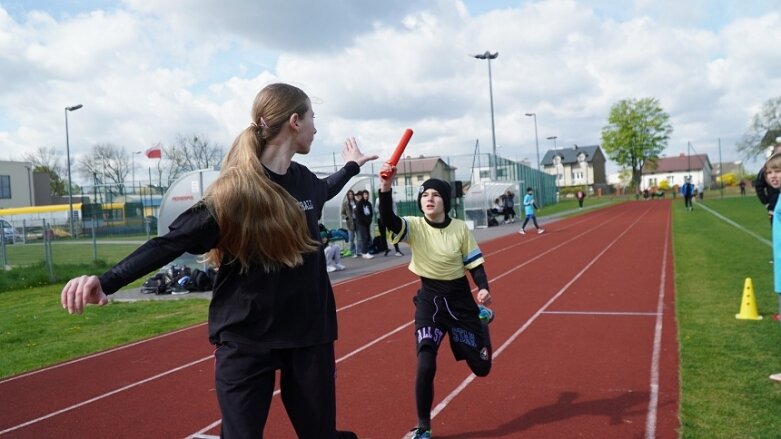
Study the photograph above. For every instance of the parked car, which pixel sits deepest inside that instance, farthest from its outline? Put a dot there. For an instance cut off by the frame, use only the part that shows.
(9, 234)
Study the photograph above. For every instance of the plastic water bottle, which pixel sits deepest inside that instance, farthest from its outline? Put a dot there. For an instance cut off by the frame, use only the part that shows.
(486, 314)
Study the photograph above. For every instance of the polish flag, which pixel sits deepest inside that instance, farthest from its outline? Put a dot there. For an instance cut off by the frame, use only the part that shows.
(154, 152)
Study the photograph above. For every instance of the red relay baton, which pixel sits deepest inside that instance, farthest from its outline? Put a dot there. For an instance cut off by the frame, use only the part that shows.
(394, 160)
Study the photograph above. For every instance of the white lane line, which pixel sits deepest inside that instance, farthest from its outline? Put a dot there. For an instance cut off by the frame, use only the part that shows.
(113, 392)
(199, 433)
(105, 395)
(736, 225)
(136, 343)
(601, 313)
(442, 405)
(276, 392)
(650, 425)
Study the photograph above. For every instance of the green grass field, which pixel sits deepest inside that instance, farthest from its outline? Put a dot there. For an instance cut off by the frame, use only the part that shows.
(725, 362)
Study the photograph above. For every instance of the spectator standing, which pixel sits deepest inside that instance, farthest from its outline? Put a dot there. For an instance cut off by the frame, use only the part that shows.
(348, 217)
(363, 223)
(742, 187)
(772, 173)
(509, 207)
(687, 191)
(767, 194)
(581, 196)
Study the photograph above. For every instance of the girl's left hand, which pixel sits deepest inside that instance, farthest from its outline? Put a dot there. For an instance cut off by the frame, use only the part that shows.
(351, 153)
(484, 297)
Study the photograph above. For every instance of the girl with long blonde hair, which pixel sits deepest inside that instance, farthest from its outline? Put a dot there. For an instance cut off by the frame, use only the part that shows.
(272, 306)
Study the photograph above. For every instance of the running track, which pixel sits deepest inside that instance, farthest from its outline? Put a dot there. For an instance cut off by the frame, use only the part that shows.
(584, 346)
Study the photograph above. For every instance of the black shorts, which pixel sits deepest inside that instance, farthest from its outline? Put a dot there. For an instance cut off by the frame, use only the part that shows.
(455, 314)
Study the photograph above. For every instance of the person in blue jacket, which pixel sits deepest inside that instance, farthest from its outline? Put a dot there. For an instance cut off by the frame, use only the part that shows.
(687, 191)
(529, 209)
(772, 170)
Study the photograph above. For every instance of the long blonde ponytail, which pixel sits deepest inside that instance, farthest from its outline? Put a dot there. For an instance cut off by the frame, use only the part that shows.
(260, 222)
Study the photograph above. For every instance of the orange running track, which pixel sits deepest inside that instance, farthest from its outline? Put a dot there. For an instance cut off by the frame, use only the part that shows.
(584, 346)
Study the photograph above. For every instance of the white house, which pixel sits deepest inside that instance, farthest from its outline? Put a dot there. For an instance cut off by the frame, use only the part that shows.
(674, 170)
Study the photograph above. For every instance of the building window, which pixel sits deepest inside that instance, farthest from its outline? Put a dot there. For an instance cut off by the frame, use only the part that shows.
(5, 186)
(420, 179)
(485, 174)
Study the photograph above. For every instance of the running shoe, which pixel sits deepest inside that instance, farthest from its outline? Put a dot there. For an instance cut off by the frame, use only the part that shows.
(419, 433)
(522, 232)
(339, 267)
(776, 377)
(540, 231)
(486, 314)
(367, 256)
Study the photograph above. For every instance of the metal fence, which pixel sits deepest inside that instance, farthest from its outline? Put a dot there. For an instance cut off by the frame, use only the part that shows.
(104, 211)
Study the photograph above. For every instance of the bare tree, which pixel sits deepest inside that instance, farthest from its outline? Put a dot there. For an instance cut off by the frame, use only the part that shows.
(49, 161)
(106, 164)
(765, 127)
(190, 153)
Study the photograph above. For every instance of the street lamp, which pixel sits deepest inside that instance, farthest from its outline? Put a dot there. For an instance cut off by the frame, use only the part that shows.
(536, 139)
(537, 146)
(68, 155)
(489, 56)
(556, 152)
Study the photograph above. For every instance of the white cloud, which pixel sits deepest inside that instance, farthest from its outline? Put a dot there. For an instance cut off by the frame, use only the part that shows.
(147, 71)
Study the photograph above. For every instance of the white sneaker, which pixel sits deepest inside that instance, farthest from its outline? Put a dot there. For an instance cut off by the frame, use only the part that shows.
(355, 255)
(330, 268)
(339, 267)
(540, 231)
(399, 254)
(776, 377)
(522, 232)
(367, 256)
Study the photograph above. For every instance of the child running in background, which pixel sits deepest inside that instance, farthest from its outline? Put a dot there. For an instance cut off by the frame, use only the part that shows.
(273, 307)
(529, 208)
(772, 170)
(443, 249)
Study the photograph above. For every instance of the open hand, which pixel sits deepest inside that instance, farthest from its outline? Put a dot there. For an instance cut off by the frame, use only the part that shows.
(351, 153)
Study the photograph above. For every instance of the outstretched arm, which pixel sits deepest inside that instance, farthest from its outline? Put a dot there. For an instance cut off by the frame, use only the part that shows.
(388, 217)
(352, 156)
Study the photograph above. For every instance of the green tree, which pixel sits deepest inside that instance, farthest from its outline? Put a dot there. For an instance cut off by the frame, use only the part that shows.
(637, 132)
(765, 127)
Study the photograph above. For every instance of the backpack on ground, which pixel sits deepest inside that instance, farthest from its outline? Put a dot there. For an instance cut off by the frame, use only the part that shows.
(199, 281)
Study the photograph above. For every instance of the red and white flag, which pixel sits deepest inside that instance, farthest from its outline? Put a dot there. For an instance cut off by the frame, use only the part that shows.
(154, 152)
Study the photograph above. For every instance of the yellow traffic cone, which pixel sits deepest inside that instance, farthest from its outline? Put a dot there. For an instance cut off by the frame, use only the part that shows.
(748, 306)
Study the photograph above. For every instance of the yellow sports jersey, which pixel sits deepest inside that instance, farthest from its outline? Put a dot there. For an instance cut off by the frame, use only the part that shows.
(440, 254)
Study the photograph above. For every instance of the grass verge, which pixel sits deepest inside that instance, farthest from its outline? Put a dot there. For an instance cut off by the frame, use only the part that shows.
(725, 362)
(35, 331)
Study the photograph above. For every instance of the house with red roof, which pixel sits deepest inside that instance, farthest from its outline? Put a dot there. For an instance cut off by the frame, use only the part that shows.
(675, 170)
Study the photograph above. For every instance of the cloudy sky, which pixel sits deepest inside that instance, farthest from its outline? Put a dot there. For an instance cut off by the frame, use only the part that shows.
(149, 70)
